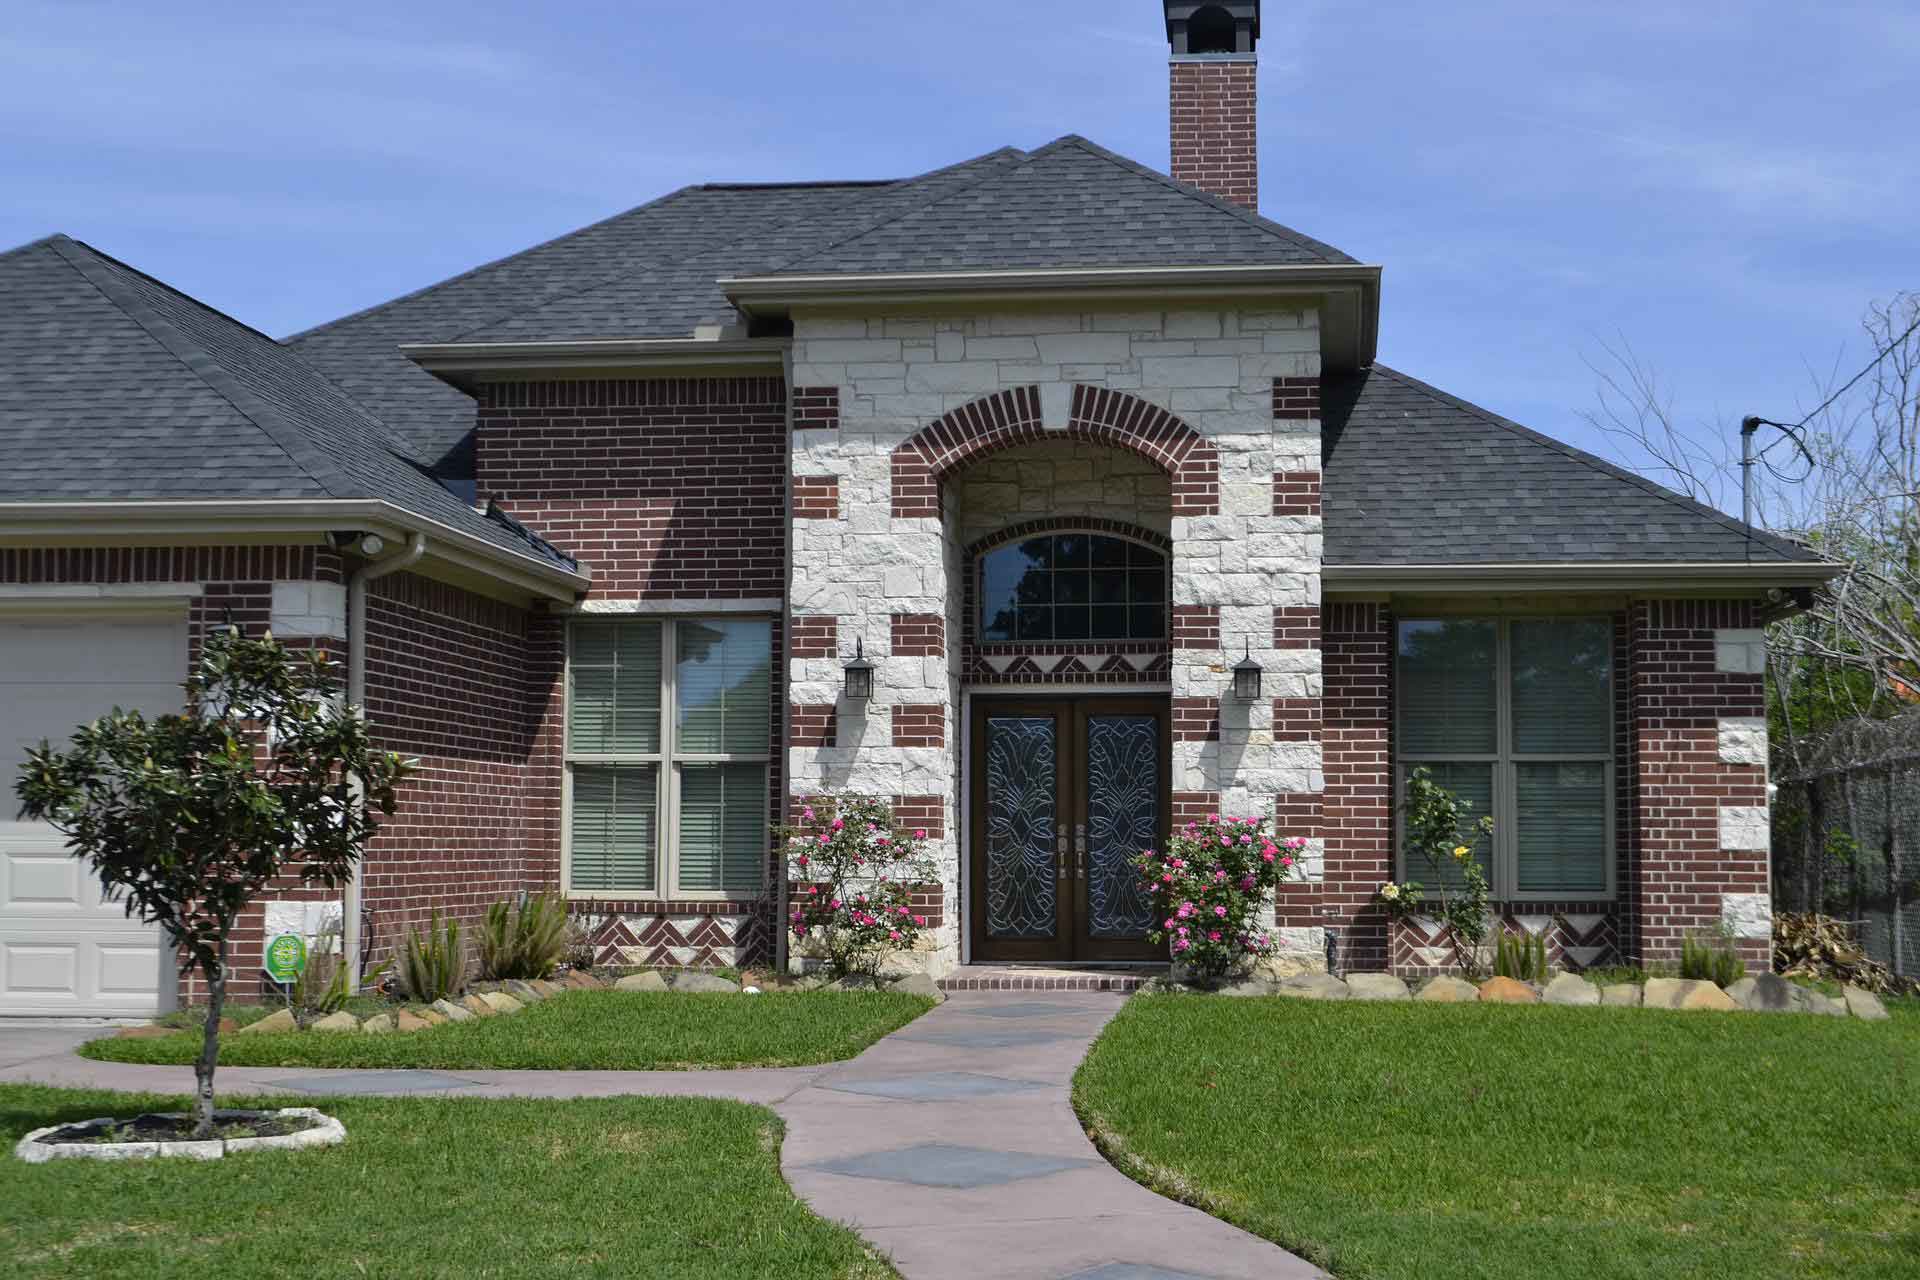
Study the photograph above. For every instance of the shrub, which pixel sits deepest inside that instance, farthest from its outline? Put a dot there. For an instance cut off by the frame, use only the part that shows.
(523, 940)
(1208, 888)
(1440, 834)
(321, 987)
(1521, 956)
(434, 965)
(1710, 960)
(853, 873)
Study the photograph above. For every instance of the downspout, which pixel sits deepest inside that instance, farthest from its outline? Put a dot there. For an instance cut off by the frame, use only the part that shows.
(357, 698)
(780, 934)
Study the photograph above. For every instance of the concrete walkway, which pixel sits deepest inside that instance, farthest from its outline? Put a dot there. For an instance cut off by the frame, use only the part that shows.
(951, 1144)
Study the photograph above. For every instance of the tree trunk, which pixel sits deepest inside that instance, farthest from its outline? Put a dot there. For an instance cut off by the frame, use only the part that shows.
(209, 1046)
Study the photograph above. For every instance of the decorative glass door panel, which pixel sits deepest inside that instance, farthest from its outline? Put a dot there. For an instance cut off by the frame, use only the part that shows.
(1063, 795)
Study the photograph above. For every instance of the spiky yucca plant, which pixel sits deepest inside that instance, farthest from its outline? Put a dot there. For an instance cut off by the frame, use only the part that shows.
(524, 940)
(434, 966)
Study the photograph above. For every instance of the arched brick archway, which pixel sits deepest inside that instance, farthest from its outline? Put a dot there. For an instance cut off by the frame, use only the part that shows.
(1012, 417)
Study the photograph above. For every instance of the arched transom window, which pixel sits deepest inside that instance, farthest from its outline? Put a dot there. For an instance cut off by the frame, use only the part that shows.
(1073, 586)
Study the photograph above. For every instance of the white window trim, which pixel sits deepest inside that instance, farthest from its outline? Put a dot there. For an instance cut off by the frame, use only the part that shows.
(666, 762)
(1504, 863)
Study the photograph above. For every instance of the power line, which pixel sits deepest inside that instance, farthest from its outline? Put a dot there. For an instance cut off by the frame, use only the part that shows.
(1871, 366)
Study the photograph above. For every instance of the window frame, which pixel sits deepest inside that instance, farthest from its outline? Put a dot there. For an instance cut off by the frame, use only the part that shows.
(666, 761)
(1504, 862)
(977, 622)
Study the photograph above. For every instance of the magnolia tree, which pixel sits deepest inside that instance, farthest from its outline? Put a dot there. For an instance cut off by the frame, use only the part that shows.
(1208, 888)
(190, 816)
(853, 872)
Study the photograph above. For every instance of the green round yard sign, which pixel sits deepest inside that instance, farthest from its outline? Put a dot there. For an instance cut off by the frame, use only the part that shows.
(286, 957)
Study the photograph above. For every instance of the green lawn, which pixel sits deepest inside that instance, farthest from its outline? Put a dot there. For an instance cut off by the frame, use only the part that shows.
(581, 1030)
(659, 1187)
(1408, 1141)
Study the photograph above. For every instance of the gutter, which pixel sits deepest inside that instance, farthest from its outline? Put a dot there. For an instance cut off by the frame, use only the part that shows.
(1429, 579)
(65, 523)
(466, 364)
(357, 699)
(780, 932)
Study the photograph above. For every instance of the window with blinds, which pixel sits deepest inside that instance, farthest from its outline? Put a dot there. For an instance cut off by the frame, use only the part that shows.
(1515, 717)
(669, 743)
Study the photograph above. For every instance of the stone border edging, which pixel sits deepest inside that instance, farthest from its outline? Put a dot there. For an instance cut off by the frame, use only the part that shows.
(328, 1132)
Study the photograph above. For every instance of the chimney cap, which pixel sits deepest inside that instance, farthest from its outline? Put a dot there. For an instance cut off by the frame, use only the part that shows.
(1212, 26)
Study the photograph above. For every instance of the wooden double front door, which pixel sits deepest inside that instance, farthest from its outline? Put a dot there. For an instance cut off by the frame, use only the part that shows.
(1064, 793)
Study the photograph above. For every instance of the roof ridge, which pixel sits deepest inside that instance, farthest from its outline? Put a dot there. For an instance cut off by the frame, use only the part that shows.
(94, 267)
(44, 242)
(1026, 158)
(1251, 217)
(1597, 463)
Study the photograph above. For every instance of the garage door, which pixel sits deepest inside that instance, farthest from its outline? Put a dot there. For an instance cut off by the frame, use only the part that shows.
(63, 951)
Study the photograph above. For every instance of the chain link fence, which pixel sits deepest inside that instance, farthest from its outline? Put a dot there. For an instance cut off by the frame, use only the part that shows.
(1846, 837)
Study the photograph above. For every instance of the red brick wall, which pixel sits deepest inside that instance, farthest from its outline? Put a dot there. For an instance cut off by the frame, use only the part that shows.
(1357, 807)
(448, 684)
(1679, 782)
(1213, 129)
(663, 487)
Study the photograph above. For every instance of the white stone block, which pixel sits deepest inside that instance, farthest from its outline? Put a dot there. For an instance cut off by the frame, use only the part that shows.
(1740, 650)
(1056, 405)
(1744, 828)
(969, 377)
(1014, 348)
(1193, 324)
(309, 609)
(1085, 348)
(1743, 740)
(851, 350)
(1747, 915)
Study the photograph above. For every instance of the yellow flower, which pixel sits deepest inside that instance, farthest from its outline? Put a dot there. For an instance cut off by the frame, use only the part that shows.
(1459, 851)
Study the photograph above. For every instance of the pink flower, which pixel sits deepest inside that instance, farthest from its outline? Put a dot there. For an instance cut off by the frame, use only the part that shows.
(1181, 945)
(1267, 856)
(807, 814)
(919, 833)
(824, 839)
(1286, 862)
(835, 904)
(1186, 909)
(1296, 842)
(839, 825)
(921, 921)
(813, 888)
(1246, 839)
(1246, 882)
(1169, 922)
(1214, 936)
(802, 859)
(1167, 878)
(1220, 911)
(894, 934)
(1213, 817)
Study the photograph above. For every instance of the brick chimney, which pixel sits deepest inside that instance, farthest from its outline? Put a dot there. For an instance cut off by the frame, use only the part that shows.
(1212, 73)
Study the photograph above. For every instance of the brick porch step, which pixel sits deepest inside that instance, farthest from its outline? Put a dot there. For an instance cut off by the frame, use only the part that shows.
(982, 977)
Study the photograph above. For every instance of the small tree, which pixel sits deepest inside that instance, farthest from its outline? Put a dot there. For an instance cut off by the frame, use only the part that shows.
(190, 816)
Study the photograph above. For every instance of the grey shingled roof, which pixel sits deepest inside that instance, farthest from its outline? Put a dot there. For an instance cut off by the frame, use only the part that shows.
(1412, 475)
(116, 386)
(652, 271)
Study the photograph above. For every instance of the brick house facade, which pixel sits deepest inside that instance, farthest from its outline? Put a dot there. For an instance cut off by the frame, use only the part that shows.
(1051, 470)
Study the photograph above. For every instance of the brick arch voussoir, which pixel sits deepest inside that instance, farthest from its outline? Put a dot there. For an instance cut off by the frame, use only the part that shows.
(1127, 421)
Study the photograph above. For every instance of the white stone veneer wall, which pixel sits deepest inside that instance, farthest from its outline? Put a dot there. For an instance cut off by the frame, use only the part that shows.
(1213, 369)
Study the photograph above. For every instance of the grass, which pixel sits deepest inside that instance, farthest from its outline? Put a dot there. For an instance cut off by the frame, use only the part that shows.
(1395, 1141)
(675, 1188)
(581, 1030)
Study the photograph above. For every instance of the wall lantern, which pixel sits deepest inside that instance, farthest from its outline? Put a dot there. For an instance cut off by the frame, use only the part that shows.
(859, 675)
(1246, 677)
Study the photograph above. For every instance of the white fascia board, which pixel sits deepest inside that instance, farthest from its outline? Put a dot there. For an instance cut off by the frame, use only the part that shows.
(1428, 579)
(75, 523)
(465, 363)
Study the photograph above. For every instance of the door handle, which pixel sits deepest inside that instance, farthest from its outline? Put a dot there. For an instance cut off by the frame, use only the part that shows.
(1080, 847)
(1063, 851)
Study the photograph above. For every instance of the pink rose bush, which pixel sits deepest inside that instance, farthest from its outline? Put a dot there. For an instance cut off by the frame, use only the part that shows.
(852, 874)
(1208, 886)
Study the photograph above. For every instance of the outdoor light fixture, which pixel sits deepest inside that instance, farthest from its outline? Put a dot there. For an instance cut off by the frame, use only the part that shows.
(1246, 677)
(859, 675)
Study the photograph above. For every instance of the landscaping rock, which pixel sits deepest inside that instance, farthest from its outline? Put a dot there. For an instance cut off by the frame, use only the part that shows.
(1621, 995)
(1864, 1004)
(1249, 986)
(807, 982)
(1768, 993)
(1449, 990)
(453, 1012)
(918, 984)
(546, 986)
(1291, 964)
(691, 981)
(434, 1017)
(501, 1002)
(1684, 993)
(1376, 986)
(404, 1021)
(278, 1020)
(1313, 986)
(378, 1024)
(478, 1007)
(1571, 988)
(855, 982)
(648, 981)
(581, 980)
(524, 992)
(1825, 1005)
(1507, 991)
(340, 1020)
(152, 1031)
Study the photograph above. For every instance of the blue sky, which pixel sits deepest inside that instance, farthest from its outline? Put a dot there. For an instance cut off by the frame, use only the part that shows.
(1726, 185)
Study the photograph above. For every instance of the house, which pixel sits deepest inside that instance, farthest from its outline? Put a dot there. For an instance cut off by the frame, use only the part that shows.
(1052, 440)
